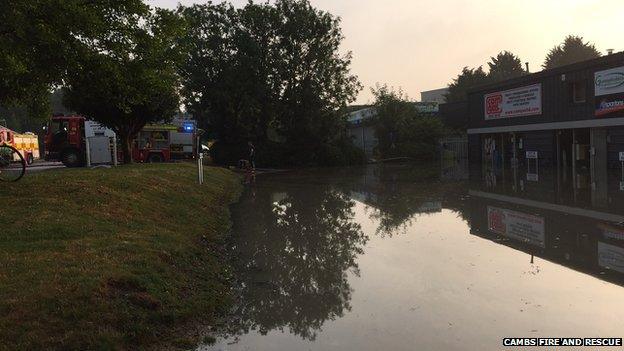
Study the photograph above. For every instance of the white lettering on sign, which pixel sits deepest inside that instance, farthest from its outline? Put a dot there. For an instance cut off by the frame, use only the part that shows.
(517, 225)
(531, 154)
(622, 156)
(524, 101)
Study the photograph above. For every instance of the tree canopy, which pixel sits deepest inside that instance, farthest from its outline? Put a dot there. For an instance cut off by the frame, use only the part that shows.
(270, 73)
(468, 78)
(505, 66)
(39, 40)
(401, 129)
(133, 81)
(572, 50)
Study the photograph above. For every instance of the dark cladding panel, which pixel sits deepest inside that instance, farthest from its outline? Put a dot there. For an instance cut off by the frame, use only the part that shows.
(474, 145)
(567, 94)
(615, 145)
(454, 115)
(542, 142)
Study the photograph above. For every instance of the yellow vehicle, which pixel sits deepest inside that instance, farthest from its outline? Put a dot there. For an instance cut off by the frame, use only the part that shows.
(27, 144)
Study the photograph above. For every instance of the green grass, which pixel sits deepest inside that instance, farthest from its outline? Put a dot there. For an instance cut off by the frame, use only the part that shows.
(122, 258)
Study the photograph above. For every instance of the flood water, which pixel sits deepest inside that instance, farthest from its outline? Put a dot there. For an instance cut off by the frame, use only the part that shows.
(404, 258)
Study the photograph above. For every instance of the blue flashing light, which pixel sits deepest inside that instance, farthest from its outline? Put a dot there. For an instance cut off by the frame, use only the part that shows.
(189, 127)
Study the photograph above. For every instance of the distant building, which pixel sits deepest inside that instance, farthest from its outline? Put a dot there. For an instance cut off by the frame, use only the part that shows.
(361, 130)
(436, 95)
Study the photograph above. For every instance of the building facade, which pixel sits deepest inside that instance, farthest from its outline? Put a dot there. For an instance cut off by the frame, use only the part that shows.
(362, 131)
(436, 95)
(566, 122)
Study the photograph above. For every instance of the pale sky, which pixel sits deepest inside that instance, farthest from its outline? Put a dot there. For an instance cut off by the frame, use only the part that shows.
(422, 45)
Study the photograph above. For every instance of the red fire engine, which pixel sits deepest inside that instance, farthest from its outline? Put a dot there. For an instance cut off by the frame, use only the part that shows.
(65, 140)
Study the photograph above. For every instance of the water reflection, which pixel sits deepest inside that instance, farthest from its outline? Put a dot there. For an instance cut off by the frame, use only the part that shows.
(465, 250)
(552, 218)
(395, 194)
(296, 247)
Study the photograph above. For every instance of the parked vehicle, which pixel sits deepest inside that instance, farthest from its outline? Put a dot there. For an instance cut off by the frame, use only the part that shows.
(66, 138)
(163, 143)
(26, 144)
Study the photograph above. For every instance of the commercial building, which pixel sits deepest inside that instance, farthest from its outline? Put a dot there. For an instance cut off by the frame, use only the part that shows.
(362, 130)
(436, 95)
(565, 123)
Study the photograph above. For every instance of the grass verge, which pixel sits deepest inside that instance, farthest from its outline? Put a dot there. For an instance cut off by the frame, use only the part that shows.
(116, 258)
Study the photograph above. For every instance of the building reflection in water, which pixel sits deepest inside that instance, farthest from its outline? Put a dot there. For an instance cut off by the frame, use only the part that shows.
(578, 224)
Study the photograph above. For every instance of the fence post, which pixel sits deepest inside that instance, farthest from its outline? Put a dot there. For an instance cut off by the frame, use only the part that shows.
(200, 169)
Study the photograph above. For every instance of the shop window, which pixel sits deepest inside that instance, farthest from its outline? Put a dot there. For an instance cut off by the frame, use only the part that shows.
(578, 92)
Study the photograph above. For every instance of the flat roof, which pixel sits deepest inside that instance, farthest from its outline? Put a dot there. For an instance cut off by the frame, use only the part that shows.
(607, 59)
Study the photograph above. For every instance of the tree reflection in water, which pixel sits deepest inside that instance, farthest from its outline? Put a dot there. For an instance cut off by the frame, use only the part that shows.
(293, 251)
(396, 194)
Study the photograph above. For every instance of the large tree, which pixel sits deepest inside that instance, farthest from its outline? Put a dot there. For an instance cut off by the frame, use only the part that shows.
(467, 79)
(134, 81)
(270, 73)
(39, 40)
(505, 66)
(401, 129)
(572, 50)
(316, 83)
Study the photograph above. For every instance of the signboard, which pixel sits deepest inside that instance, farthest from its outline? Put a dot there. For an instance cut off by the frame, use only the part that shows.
(517, 225)
(611, 257)
(93, 128)
(531, 154)
(622, 156)
(610, 105)
(612, 232)
(609, 82)
(524, 101)
(609, 92)
(427, 107)
(532, 177)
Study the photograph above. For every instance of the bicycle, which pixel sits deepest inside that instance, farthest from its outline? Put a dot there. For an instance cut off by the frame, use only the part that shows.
(12, 164)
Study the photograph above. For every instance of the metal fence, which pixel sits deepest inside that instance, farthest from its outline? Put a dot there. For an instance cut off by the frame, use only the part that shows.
(454, 148)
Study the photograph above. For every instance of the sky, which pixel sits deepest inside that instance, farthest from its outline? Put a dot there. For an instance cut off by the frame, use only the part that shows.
(422, 45)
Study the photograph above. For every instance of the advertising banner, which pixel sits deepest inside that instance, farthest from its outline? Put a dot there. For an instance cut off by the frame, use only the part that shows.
(523, 101)
(609, 92)
(610, 105)
(609, 82)
(517, 225)
(611, 257)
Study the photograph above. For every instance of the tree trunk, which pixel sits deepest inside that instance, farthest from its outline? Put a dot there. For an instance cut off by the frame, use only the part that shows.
(126, 148)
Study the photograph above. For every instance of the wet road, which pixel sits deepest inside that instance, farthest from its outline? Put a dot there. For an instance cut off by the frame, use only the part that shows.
(400, 258)
(39, 166)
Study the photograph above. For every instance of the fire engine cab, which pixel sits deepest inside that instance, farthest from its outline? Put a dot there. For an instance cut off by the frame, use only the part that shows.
(66, 139)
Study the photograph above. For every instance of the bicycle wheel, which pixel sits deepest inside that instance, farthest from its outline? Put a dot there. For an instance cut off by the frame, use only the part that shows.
(12, 164)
